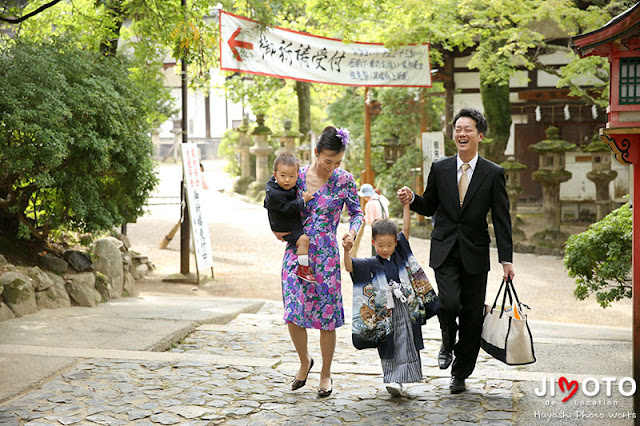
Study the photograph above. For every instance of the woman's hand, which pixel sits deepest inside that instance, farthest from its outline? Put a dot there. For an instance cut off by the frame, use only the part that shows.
(348, 238)
(307, 197)
(348, 245)
(281, 235)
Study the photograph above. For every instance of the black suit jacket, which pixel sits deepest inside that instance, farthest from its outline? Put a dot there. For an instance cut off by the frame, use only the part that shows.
(466, 224)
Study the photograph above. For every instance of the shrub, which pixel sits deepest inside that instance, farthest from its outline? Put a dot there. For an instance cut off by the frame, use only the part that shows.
(75, 150)
(600, 258)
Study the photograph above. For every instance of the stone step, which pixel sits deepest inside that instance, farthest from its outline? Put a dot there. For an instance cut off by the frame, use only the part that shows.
(232, 360)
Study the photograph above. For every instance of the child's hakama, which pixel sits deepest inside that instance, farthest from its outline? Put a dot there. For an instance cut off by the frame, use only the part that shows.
(391, 320)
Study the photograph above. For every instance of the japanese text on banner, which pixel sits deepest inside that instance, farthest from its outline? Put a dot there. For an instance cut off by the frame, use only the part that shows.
(277, 52)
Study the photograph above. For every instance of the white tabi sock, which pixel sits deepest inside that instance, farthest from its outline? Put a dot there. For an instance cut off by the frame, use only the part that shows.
(303, 260)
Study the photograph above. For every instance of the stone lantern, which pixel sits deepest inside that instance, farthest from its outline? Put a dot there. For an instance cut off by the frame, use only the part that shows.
(288, 139)
(244, 145)
(601, 174)
(550, 175)
(512, 175)
(393, 150)
(304, 152)
(261, 150)
(174, 151)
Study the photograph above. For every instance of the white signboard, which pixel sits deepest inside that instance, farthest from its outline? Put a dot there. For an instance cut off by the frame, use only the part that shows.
(193, 186)
(432, 149)
(277, 52)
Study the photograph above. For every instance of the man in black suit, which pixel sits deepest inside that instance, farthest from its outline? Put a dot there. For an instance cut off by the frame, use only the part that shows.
(460, 192)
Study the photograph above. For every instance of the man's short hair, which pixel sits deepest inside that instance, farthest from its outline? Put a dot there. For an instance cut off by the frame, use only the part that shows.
(383, 227)
(287, 160)
(475, 115)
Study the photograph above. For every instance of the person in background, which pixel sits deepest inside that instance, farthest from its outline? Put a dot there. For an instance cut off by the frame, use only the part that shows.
(376, 207)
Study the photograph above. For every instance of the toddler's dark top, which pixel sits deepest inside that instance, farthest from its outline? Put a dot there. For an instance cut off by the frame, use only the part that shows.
(284, 207)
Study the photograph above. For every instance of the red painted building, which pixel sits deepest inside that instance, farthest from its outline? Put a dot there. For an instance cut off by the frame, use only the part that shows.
(619, 42)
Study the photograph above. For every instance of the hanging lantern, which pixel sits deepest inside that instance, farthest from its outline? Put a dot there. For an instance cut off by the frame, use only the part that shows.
(594, 112)
(538, 114)
(567, 114)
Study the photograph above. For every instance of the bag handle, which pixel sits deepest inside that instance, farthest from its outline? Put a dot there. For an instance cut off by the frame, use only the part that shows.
(512, 288)
(384, 213)
(495, 302)
(506, 287)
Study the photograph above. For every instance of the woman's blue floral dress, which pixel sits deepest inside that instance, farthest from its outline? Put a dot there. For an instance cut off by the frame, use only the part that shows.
(319, 305)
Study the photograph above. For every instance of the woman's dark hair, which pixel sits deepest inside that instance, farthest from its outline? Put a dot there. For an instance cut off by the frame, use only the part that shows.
(383, 227)
(287, 160)
(329, 141)
(475, 115)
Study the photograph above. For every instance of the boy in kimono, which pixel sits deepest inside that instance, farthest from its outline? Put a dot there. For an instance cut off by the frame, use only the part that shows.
(392, 299)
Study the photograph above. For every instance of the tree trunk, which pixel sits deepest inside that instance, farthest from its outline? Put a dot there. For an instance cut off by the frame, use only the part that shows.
(497, 110)
(304, 107)
(116, 14)
(449, 87)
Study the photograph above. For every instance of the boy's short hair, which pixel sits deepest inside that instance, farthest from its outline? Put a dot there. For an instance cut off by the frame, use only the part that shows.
(383, 227)
(287, 160)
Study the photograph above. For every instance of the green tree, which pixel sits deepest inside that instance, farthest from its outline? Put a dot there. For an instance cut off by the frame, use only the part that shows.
(600, 258)
(74, 141)
(508, 37)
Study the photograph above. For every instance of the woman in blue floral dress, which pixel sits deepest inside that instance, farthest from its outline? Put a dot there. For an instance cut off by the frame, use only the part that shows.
(319, 305)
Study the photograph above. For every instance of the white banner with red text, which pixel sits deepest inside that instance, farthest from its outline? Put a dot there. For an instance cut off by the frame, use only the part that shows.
(247, 47)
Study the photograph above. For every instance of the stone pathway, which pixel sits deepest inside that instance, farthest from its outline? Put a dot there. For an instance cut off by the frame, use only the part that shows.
(208, 380)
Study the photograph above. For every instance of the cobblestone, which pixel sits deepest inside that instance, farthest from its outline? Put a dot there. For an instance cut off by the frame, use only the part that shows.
(122, 391)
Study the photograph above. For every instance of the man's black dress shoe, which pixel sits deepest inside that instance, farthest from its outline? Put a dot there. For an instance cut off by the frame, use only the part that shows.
(457, 385)
(297, 384)
(445, 358)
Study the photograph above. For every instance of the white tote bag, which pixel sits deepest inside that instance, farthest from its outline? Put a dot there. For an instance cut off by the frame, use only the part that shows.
(505, 333)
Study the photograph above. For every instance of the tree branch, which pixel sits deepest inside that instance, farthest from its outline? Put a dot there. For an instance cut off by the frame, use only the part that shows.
(29, 15)
(41, 234)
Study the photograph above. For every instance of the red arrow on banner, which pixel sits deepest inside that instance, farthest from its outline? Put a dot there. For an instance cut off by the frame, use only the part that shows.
(233, 43)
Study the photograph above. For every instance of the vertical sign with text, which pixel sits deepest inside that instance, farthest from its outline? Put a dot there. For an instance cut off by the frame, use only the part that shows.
(193, 186)
(432, 149)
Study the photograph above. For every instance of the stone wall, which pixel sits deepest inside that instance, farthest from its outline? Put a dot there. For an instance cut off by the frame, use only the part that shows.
(107, 271)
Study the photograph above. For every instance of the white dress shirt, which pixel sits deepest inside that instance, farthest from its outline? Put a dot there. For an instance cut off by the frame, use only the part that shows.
(472, 167)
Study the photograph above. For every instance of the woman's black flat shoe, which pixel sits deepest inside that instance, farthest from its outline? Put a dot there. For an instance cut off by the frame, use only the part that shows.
(322, 392)
(297, 384)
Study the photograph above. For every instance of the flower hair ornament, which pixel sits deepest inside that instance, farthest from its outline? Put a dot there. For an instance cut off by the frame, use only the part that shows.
(343, 134)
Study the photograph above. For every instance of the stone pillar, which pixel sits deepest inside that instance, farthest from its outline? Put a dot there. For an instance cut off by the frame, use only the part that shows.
(174, 151)
(550, 175)
(261, 150)
(288, 139)
(244, 143)
(601, 174)
(305, 148)
(512, 174)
